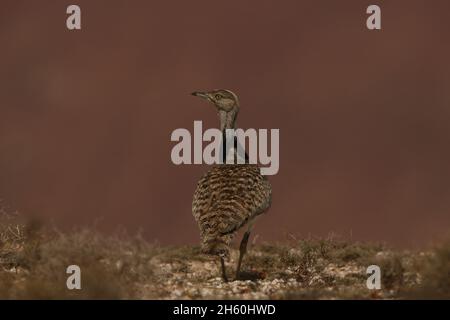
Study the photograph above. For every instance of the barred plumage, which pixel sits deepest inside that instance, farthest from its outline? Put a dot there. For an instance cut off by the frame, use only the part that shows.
(228, 196)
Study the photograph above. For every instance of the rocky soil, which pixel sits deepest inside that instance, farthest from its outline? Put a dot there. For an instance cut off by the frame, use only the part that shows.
(34, 259)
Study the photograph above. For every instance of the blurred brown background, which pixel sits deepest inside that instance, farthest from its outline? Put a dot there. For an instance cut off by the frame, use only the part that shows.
(86, 116)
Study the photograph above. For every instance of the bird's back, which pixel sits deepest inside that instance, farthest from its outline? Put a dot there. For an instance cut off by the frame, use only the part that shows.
(227, 197)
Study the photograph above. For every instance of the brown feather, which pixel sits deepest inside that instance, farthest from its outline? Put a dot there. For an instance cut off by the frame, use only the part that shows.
(228, 197)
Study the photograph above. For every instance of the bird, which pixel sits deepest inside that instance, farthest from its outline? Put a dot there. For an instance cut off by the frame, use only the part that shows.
(228, 197)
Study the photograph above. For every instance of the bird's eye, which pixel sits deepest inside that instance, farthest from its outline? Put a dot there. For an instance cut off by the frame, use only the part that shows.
(218, 96)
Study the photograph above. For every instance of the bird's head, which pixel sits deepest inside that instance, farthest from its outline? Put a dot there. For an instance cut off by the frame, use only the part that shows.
(224, 100)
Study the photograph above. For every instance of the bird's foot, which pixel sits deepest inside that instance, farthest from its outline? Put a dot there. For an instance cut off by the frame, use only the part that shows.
(251, 275)
(224, 278)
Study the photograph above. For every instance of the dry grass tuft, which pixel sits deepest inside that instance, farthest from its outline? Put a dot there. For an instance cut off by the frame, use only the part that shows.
(33, 262)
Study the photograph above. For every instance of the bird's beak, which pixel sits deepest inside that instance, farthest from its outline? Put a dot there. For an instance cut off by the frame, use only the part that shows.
(203, 95)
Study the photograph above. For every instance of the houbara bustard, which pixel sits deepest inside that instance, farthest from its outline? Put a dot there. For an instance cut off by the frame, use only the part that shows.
(229, 196)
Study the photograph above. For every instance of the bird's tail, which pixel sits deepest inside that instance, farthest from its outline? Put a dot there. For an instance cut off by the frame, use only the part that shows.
(218, 246)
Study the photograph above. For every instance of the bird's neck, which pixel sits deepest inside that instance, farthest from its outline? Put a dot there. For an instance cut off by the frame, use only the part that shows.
(227, 120)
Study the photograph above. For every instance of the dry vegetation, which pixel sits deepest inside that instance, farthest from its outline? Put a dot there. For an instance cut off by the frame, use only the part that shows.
(33, 261)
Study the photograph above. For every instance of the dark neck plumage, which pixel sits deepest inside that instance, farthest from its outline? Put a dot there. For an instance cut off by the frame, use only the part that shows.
(228, 121)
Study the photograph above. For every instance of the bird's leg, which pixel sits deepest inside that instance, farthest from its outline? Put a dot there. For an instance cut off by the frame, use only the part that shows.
(224, 274)
(242, 251)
